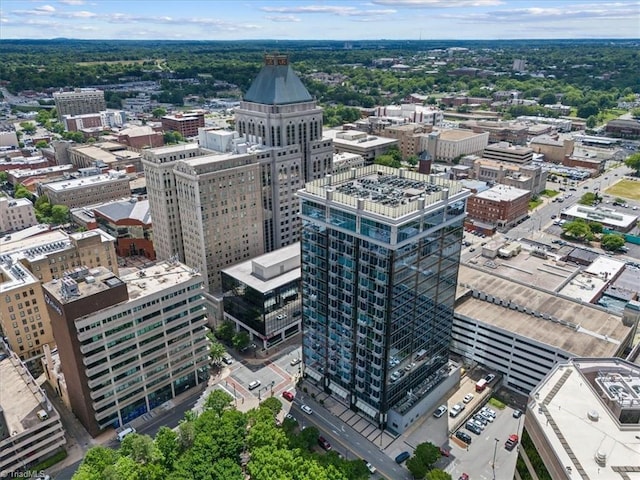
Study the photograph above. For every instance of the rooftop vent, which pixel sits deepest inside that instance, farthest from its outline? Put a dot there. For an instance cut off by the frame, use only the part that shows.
(593, 415)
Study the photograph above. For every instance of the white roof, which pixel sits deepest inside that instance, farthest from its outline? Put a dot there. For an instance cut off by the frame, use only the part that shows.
(502, 193)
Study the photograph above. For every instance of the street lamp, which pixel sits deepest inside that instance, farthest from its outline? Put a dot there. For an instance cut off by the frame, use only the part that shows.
(493, 465)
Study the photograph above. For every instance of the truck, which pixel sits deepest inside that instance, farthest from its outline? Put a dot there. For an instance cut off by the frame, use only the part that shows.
(511, 442)
(481, 385)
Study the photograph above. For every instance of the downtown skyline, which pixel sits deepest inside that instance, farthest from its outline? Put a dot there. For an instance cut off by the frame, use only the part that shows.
(320, 20)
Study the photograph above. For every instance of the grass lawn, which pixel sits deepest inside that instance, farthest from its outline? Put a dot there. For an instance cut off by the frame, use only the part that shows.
(534, 203)
(626, 189)
(549, 193)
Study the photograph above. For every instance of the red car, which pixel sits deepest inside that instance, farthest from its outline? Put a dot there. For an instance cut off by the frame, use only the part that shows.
(464, 476)
(288, 395)
(324, 443)
(444, 452)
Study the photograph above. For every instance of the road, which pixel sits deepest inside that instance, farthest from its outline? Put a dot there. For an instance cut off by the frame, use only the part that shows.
(345, 440)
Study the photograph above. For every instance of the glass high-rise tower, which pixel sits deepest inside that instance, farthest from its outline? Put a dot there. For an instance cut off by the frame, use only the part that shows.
(380, 252)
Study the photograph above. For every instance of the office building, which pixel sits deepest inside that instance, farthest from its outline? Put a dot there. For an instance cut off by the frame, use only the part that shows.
(219, 199)
(262, 296)
(505, 152)
(360, 143)
(525, 177)
(79, 102)
(80, 192)
(449, 145)
(607, 217)
(141, 137)
(129, 222)
(583, 419)
(138, 104)
(500, 206)
(158, 166)
(411, 137)
(623, 128)
(278, 114)
(105, 155)
(499, 131)
(16, 214)
(380, 251)
(30, 427)
(185, 123)
(128, 344)
(344, 162)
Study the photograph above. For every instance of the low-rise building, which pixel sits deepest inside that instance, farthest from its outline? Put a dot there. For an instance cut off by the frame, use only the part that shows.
(30, 427)
(501, 206)
(22, 176)
(262, 296)
(410, 137)
(608, 217)
(367, 146)
(129, 222)
(344, 161)
(522, 331)
(451, 144)
(138, 104)
(185, 123)
(499, 131)
(16, 214)
(506, 152)
(105, 155)
(526, 177)
(582, 419)
(141, 137)
(623, 128)
(553, 150)
(128, 344)
(79, 192)
(23, 163)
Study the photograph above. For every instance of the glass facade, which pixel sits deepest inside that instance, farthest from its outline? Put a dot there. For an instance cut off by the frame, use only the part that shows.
(378, 299)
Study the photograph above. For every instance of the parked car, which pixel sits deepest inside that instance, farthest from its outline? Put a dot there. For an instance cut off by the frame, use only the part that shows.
(306, 409)
(486, 416)
(478, 417)
(371, 468)
(517, 414)
(288, 395)
(465, 437)
(444, 452)
(489, 377)
(472, 427)
(456, 409)
(402, 457)
(464, 476)
(490, 411)
(324, 443)
(295, 362)
(227, 360)
(442, 409)
(253, 385)
(468, 397)
(511, 442)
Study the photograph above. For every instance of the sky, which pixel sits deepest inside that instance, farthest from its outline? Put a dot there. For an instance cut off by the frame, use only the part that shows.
(319, 19)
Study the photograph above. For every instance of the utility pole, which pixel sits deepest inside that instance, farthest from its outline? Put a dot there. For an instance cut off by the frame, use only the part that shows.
(493, 465)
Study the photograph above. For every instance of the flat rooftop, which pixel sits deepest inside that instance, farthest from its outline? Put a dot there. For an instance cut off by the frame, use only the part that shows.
(580, 329)
(174, 149)
(601, 214)
(84, 182)
(561, 406)
(457, 134)
(584, 288)
(503, 193)
(244, 271)
(20, 396)
(390, 192)
(156, 278)
(357, 138)
(21, 172)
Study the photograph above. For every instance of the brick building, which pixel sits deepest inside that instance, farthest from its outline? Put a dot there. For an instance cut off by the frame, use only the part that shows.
(500, 206)
(185, 123)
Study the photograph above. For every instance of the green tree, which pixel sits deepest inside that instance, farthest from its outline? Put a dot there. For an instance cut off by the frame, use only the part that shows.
(272, 404)
(241, 340)
(309, 437)
(43, 117)
(428, 453)
(417, 468)
(548, 98)
(218, 401)
(95, 461)
(592, 121)
(595, 227)
(412, 160)
(578, 229)
(225, 331)
(28, 127)
(159, 112)
(588, 198)
(59, 214)
(387, 160)
(4, 176)
(437, 474)
(140, 448)
(588, 109)
(20, 191)
(633, 162)
(166, 442)
(612, 241)
(216, 350)
(635, 112)
(41, 144)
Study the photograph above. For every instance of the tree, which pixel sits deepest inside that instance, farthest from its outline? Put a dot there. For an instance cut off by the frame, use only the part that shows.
(166, 442)
(592, 121)
(59, 214)
(412, 160)
(218, 401)
(43, 117)
(4, 176)
(42, 144)
(140, 448)
(241, 340)
(437, 474)
(387, 160)
(588, 198)
(28, 127)
(633, 162)
(612, 241)
(578, 229)
(21, 191)
(159, 112)
(172, 137)
(428, 453)
(272, 404)
(635, 112)
(547, 98)
(588, 109)
(417, 468)
(595, 227)
(216, 349)
(225, 331)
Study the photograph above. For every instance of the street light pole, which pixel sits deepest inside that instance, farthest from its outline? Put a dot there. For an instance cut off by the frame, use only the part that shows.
(493, 465)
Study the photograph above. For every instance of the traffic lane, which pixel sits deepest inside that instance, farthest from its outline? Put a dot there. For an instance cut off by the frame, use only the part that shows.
(351, 444)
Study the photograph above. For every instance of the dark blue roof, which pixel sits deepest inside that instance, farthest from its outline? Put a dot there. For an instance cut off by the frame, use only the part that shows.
(277, 85)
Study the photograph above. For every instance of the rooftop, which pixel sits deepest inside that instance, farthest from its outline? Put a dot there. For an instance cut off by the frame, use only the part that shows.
(244, 272)
(21, 172)
(358, 138)
(85, 182)
(503, 193)
(121, 209)
(578, 328)
(387, 191)
(20, 397)
(277, 84)
(457, 134)
(601, 214)
(575, 412)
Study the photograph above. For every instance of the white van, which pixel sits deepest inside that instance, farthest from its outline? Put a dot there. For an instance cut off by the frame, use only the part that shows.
(125, 432)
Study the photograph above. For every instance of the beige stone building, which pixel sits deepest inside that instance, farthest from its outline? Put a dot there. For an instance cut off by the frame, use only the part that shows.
(24, 264)
(79, 101)
(111, 155)
(220, 199)
(16, 214)
(411, 137)
(447, 145)
(527, 177)
(553, 150)
(80, 192)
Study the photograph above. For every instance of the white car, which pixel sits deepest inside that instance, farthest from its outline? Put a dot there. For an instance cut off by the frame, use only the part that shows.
(306, 409)
(468, 397)
(371, 468)
(489, 411)
(442, 409)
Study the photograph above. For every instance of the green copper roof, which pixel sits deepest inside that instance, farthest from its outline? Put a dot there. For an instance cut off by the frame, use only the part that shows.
(277, 84)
